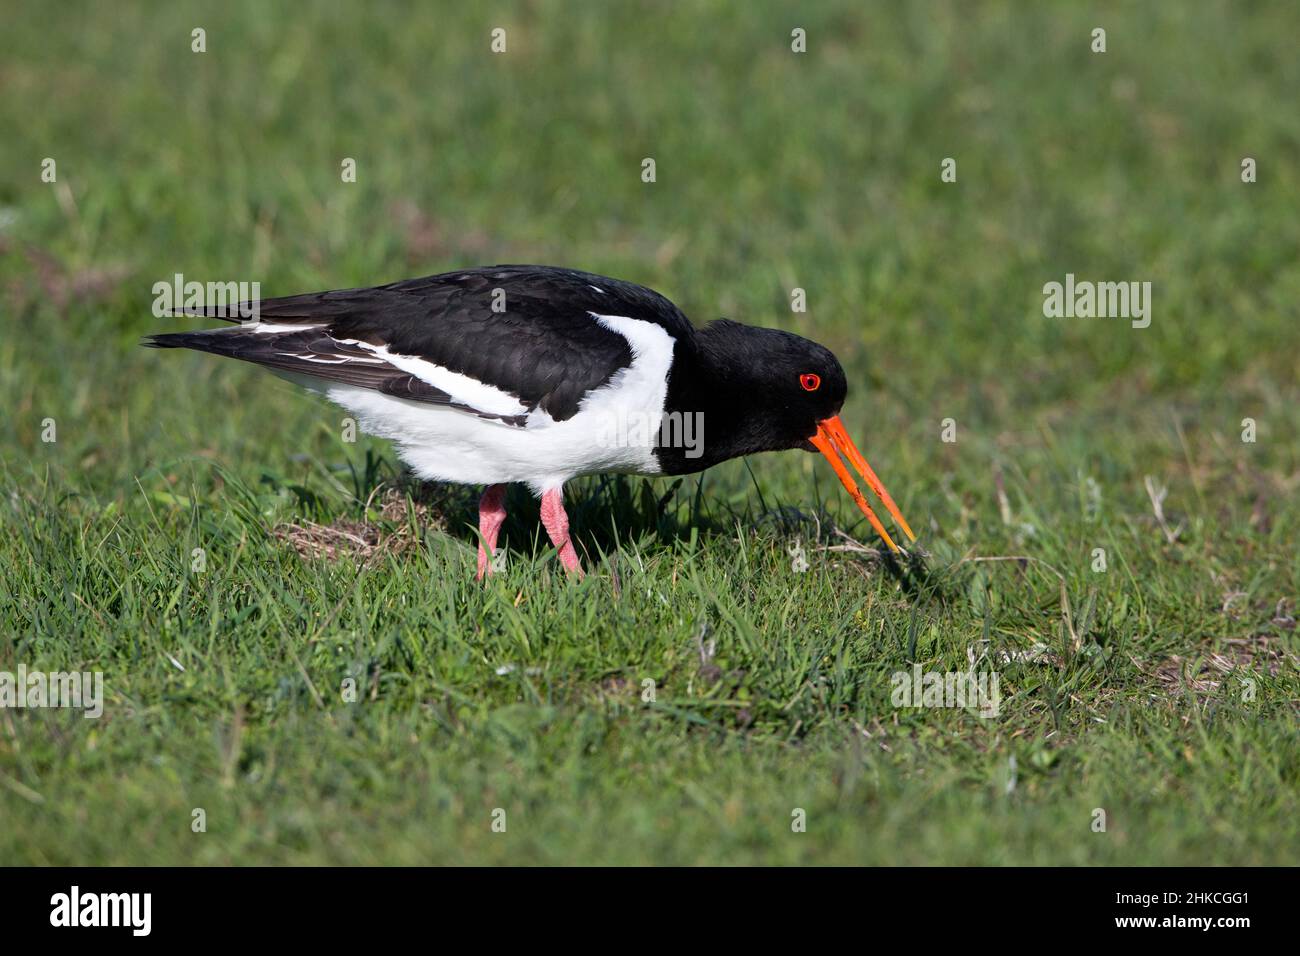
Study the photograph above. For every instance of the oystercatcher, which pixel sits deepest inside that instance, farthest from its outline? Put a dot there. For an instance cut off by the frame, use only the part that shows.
(538, 375)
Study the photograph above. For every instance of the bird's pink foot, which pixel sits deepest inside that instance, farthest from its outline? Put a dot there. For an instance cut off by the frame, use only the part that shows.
(556, 522)
(491, 513)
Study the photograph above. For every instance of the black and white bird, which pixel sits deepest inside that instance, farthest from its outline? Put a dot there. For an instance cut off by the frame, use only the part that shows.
(538, 375)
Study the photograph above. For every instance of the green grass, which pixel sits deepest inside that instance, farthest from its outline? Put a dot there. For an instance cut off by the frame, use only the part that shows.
(775, 170)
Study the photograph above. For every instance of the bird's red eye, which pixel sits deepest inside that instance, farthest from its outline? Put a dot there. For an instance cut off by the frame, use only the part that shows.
(810, 381)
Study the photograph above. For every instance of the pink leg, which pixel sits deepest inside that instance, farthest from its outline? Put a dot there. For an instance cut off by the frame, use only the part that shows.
(491, 512)
(556, 523)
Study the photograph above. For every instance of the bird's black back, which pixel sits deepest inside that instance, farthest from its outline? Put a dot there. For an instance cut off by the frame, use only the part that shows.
(524, 329)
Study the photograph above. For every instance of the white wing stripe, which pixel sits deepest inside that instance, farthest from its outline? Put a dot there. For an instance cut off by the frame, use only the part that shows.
(462, 388)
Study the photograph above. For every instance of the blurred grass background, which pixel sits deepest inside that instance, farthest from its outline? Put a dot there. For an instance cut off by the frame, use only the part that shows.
(775, 170)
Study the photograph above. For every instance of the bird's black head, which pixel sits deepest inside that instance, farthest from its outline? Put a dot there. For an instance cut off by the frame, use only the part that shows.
(753, 390)
(737, 390)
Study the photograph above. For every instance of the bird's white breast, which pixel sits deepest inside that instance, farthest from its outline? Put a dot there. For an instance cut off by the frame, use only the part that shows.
(614, 429)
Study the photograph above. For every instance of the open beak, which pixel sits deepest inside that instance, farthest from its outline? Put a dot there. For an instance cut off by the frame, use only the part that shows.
(831, 438)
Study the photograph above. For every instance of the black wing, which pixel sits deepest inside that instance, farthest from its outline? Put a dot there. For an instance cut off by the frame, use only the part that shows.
(525, 330)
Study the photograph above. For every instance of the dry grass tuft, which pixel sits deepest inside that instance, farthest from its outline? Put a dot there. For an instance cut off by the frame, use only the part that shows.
(394, 524)
(1203, 673)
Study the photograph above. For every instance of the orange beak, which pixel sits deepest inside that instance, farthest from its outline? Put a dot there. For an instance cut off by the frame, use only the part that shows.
(832, 438)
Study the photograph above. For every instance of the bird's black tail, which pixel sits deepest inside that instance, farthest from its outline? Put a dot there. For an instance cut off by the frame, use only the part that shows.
(217, 341)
